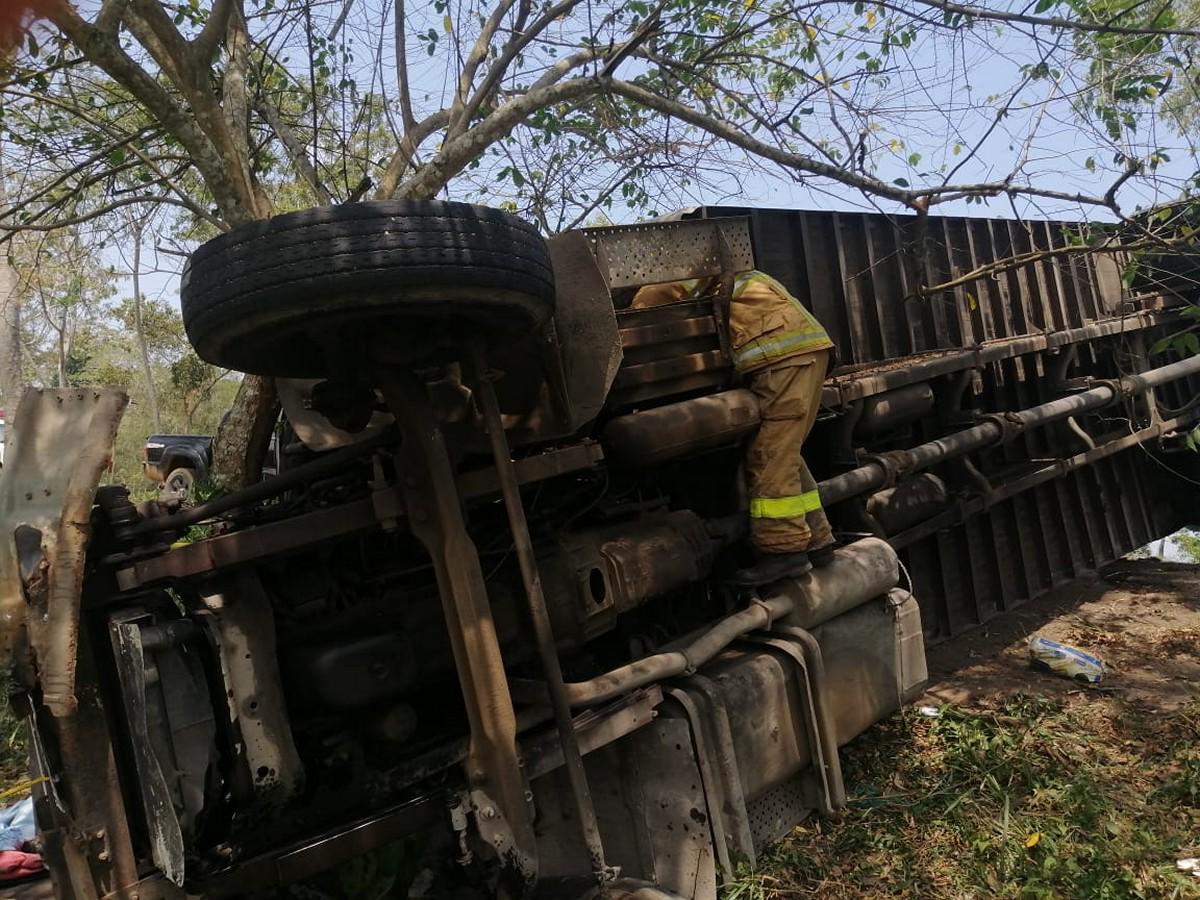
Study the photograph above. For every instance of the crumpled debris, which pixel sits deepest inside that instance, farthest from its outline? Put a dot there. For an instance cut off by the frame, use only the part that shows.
(17, 826)
(18, 864)
(18, 831)
(1061, 659)
(930, 712)
(1190, 865)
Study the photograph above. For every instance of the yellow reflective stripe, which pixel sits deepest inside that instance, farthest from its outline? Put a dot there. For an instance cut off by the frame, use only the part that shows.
(785, 507)
(774, 347)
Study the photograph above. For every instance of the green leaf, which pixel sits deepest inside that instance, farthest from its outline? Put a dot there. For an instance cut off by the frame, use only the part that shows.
(1193, 438)
(900, 182)
(1161, 345)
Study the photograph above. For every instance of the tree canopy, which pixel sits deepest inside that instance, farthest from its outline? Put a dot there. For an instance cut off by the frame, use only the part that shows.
(227, 111)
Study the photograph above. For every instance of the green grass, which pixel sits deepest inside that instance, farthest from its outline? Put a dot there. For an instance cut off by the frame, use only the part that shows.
(1035, 799)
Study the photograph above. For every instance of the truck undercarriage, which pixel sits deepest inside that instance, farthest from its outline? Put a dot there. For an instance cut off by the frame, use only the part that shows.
(485, 606)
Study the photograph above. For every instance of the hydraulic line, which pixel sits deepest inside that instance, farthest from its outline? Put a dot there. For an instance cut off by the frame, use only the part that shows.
(874, 475)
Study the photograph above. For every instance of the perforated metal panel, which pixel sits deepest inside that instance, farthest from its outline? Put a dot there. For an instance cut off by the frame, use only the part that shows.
(653, 252)
(777, 812)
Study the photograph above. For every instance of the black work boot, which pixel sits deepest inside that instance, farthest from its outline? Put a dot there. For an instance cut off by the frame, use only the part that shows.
(772, 567)
(822, 556)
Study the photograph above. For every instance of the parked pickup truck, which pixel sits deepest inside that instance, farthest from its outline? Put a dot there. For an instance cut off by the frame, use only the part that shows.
(177, 461)
(489, 619)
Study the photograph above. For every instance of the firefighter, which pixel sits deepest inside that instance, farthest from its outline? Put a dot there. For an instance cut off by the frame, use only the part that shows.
(782, 351)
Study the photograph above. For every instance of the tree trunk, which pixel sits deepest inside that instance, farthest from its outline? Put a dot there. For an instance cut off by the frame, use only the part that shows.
(11, 371)
(245, 433)
(147, 371)
(62, 350)
(241, 442)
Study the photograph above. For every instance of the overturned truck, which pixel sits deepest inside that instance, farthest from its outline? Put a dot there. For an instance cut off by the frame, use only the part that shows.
(485, 601)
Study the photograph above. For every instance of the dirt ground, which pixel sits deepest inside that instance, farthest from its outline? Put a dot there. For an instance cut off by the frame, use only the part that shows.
(1141, 617)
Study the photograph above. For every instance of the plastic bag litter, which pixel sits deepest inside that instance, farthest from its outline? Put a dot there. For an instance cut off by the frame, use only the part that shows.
(17, 827)
(1051, 656)
(1191, 865)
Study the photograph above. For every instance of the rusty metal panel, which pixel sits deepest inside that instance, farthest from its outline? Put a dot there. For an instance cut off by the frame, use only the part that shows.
(855, 271)
(59, 446)
(1039, 539)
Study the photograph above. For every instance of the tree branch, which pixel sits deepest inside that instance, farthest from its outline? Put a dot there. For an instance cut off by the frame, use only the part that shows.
(739, 138)
(98, 212)
(521, 39)
(190, 72)
(406, 109)
(109, 18)
(205, 44)
(402, 157)
(979, 12)
(234, 94)
(454, 155)
(339, 21)
(458, 121)
(108, 55)
(1022, 259)
(295, 149)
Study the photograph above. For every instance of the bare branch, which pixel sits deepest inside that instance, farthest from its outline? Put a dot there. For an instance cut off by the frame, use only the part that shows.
(109, 18)
(205, 44)
(295, 149)
(234, 95)
(1023, 259)
(739, 138)
(568, 64)
(521, 40)
(979, 12)
(112, 59)
(1132, 167)
(456, 154)
(406, 109)
(458, 123)
(340, 21)
(402, 157)
(97, 213)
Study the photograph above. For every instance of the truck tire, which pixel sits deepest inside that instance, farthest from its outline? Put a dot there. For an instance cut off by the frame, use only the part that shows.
(297, 295)
(179, 483)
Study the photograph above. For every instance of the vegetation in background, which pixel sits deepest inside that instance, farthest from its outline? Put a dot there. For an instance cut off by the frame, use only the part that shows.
(79, 329)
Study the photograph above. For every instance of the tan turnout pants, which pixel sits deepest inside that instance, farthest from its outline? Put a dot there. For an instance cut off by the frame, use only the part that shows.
(785, 511)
